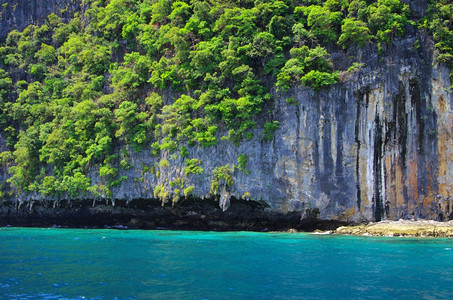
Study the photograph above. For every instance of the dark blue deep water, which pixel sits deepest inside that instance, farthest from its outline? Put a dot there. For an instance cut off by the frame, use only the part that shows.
(113, 264)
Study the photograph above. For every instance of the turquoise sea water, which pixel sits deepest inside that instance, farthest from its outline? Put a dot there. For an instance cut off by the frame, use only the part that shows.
(38, 263)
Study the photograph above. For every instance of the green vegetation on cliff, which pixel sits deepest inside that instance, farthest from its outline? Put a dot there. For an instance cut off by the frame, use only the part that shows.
(163, 76)
(439, 21)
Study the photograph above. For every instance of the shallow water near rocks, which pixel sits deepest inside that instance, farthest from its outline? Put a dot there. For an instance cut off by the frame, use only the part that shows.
(37, 263)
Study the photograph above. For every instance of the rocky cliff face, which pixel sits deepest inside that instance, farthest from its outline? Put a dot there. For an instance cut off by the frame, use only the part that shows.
(18, 14)
(378, 145)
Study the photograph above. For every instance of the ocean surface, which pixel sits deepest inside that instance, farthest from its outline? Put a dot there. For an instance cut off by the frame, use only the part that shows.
(37, 263)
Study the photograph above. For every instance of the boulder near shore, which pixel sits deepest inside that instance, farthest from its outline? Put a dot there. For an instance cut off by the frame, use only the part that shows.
(419, 228)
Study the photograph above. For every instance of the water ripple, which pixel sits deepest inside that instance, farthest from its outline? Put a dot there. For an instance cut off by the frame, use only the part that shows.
(111, 264)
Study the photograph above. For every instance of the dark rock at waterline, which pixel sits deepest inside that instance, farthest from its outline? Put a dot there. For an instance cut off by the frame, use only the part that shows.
(150, 214)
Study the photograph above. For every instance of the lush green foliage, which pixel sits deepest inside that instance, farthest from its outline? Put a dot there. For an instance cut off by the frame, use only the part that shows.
(311, 66)
(222, 176)
(242, 161)
(440, 22)
(269, 129)
(87, 92)
(354, 31)
(193, 167)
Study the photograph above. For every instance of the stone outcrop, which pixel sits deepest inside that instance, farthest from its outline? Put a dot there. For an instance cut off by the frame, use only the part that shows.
(18, 14)
(376, 146)
(191, 214)
(421, 228)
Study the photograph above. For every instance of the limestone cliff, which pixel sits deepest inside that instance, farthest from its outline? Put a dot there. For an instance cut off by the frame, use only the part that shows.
(17, 14)
(378, 145)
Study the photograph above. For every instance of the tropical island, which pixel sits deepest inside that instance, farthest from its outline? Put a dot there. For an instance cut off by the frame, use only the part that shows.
(227, 115)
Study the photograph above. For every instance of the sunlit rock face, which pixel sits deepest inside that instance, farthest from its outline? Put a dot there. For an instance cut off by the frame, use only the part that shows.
(378, 145)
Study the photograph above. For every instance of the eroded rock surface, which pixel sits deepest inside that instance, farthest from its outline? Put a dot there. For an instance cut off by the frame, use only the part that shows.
(376, 146)
(18, 14)
(423, 228)
(193, 214)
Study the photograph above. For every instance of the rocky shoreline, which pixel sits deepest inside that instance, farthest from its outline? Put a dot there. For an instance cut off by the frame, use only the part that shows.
(203, 215)
(191, 214)
(412, 228)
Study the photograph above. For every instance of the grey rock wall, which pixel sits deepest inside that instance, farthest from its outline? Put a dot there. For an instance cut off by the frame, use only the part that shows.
(378, 145)
(18, 14)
